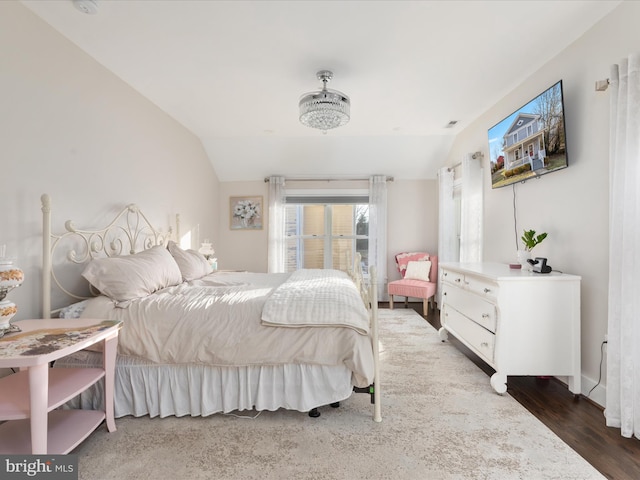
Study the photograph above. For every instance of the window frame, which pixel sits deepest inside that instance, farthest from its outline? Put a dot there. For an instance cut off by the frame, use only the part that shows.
(327, 199)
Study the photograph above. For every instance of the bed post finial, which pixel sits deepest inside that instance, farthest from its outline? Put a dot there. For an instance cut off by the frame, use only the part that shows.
(46, 202)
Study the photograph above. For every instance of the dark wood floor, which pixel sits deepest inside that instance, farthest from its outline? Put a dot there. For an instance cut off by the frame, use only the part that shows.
(577, 421)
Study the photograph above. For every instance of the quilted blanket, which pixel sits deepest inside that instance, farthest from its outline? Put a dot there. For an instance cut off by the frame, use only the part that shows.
(317, 298)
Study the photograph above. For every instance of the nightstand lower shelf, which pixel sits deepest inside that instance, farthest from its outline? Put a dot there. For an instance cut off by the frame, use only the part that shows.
(64, 384)
(66, 430)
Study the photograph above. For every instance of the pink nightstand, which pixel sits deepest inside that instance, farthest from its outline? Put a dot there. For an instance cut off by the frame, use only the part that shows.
(30, 397)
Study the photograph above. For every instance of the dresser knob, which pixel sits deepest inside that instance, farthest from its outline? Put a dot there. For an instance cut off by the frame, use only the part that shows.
(486, 290)
(458, 280)
(485, 315)
(484, 344)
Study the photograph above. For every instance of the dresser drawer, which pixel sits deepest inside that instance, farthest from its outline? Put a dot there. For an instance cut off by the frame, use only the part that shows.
(478, 338)
(481, 286)
(477, 308)
(453, 277)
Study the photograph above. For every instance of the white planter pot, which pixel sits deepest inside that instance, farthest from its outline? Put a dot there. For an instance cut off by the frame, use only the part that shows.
(523, 256)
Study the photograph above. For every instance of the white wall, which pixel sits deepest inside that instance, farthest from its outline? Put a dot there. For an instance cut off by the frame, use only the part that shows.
(242, 249)
(412, 220)
(572, 204)
(70, 128)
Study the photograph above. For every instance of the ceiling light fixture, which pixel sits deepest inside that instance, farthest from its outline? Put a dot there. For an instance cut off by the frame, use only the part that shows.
(324, 109)
(90, 7)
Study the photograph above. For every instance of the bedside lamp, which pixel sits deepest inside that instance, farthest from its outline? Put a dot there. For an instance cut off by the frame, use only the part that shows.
(207, 250)
(10, 278)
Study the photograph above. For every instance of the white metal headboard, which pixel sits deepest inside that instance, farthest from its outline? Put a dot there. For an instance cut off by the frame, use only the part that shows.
(129, 232)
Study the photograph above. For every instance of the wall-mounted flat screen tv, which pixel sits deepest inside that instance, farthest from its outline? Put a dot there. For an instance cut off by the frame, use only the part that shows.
(530, 142)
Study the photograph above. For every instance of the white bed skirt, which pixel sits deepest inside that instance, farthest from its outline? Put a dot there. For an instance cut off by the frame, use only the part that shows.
(145, 388)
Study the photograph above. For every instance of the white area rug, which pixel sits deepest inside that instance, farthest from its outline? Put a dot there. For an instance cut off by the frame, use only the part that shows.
(441, 420)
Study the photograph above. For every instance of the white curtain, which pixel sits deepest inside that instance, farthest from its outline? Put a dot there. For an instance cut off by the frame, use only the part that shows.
(471, 209)
(623, 349)
(447, 229)
(277, 241)
(378, 230)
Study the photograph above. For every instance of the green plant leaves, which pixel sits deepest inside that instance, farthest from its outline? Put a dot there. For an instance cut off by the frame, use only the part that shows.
(530, 239)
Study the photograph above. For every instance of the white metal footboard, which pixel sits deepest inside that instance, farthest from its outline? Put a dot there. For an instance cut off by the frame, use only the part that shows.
(373, 293)
(370, 298)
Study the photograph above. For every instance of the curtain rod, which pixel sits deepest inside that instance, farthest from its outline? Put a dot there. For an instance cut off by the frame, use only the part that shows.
(266, 179)
(474, 156)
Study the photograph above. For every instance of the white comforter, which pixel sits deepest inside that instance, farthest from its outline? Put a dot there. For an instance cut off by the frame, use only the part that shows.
(216, 320)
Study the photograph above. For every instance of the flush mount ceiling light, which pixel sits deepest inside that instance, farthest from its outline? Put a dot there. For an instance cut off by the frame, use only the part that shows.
(90, 7)
(324, 109)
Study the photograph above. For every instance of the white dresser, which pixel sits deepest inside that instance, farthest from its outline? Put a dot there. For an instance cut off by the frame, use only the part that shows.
(518, 322)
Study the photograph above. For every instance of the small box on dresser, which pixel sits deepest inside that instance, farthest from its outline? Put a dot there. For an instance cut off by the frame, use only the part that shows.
(518, 322)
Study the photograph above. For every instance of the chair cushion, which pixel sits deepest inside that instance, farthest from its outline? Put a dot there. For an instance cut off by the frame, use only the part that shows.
(411, 288)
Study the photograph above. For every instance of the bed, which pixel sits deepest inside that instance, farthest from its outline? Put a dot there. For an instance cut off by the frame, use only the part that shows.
(197, 342)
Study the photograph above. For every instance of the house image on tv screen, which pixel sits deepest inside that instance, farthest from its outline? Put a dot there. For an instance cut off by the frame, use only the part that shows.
(530, 142)
(524, 143)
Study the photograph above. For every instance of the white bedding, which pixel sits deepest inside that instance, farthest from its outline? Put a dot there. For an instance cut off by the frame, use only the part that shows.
(316, 298)
(216, 321)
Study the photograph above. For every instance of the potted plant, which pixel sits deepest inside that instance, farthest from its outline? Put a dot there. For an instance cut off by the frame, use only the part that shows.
(530, 240)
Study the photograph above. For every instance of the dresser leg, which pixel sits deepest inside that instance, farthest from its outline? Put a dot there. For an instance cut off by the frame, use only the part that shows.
(499, 382)
(443, 334)
(575, 385)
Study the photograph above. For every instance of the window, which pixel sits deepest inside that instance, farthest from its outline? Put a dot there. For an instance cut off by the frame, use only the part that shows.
(320, 233)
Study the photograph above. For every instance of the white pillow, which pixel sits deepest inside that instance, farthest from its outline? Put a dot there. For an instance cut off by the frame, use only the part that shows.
(133, 276)
(418, 270)
(192, 264)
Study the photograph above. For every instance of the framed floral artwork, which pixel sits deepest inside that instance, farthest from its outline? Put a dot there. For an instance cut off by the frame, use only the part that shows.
(246, 213)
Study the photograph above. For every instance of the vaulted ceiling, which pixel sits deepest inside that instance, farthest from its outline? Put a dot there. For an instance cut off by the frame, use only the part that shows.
(232, 72)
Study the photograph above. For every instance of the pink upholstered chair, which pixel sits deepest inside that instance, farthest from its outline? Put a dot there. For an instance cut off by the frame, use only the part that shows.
(418, 278)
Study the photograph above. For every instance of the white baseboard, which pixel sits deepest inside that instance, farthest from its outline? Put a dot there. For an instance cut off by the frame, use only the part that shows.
(599, 393)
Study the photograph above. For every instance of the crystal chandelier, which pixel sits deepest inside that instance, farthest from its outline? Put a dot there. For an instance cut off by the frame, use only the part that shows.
(324, 109)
